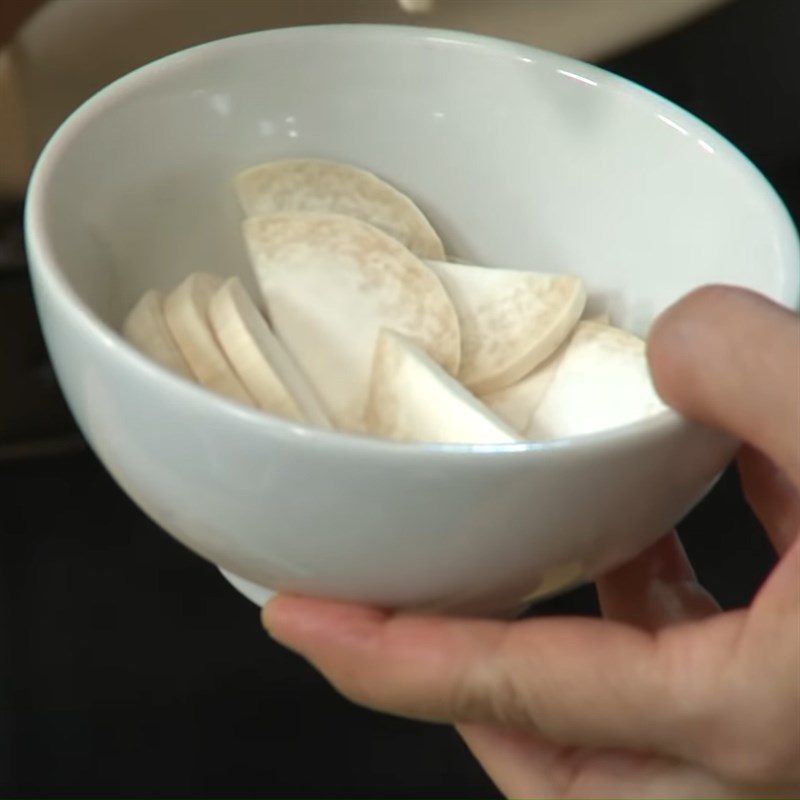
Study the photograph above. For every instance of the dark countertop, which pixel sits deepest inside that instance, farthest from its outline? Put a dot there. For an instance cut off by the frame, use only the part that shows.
(129, 667)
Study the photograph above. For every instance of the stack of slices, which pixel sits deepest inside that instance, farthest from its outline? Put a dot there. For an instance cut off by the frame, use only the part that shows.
(366, 327)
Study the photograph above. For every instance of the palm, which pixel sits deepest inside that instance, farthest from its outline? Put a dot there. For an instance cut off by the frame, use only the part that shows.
(523, 765)
(527, 765)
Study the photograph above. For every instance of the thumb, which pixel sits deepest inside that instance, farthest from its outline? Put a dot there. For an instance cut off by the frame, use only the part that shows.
(730, 358)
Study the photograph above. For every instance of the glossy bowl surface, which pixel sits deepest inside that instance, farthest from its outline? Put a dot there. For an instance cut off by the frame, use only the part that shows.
(520, 158)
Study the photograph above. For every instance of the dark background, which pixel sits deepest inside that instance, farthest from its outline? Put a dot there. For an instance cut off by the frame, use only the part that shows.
(129, 668)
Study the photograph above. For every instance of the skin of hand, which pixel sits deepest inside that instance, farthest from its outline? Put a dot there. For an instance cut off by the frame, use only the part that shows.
(666, 696)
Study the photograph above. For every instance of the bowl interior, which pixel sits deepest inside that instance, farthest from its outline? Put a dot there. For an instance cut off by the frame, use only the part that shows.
(520, 158)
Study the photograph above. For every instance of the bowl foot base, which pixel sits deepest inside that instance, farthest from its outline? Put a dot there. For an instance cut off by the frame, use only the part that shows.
(252, 591)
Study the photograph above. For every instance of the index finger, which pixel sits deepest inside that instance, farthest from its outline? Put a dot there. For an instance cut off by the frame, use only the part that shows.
(730, 358)
(573, 681)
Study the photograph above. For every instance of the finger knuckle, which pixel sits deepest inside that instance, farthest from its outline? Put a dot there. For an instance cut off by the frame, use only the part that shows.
(488, 694)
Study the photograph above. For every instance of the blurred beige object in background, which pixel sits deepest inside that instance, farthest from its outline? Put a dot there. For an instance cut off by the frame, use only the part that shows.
(15, 150)
(416, 6)
(71, 48)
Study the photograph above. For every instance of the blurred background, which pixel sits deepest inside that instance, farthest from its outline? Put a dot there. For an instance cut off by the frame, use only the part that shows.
(127, 666)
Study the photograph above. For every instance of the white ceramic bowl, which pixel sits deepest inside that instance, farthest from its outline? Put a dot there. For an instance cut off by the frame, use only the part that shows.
(520, 158)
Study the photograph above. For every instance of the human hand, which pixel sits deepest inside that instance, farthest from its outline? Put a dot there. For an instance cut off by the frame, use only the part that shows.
(664, 697)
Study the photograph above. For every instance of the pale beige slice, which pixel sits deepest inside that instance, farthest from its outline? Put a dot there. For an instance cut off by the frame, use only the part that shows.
(146, 329)
(267, 371)
(601, 381)
(511, 320)
(330, 283)
(412, 399)
(517, 403)
(603, 319)
(186, 313)
(308, 184)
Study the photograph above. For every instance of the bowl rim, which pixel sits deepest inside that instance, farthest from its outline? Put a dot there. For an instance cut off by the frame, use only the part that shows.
(44, 263)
